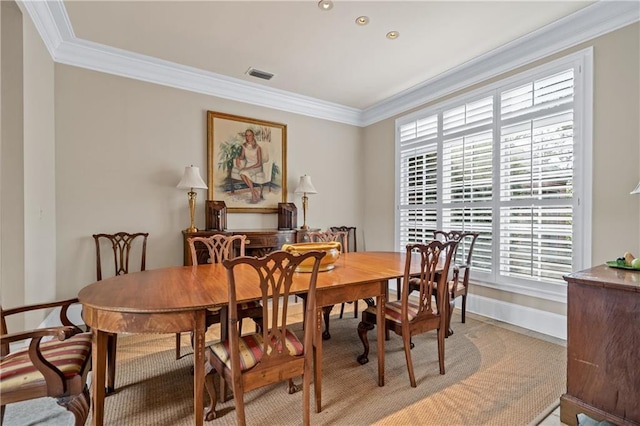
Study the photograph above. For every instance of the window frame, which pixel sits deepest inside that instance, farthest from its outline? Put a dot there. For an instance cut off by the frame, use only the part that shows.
(582, 63)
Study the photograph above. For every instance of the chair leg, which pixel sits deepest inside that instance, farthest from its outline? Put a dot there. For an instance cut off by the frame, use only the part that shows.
(363, 328)
(341, 310)
(355, 309)
(326, 311)
(441, 335)
(398, 290)
(406, 342)
(209, 385)
(78, 405)
(451, 307)
(464, 307)
(112, 343)
(1, 414)
(178, 342)
(304, 311)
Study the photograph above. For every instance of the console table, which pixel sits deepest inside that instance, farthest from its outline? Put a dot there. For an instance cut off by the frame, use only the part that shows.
(260, 241)
(603, 346)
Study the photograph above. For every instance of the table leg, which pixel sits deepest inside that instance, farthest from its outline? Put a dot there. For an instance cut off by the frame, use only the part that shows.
(198, 367)
(98, 363)
(317, 345)
(380, 323)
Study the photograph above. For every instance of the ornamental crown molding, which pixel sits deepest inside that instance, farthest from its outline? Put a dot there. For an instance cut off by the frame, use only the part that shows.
(52, 23)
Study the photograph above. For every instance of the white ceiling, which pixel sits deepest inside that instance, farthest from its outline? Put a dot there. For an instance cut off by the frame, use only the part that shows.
(325, 65)
(321, 54)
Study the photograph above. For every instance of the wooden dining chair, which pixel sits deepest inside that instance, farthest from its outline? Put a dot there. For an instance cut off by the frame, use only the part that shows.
(324, 236)
(410, 316)
(56, 368)
(276, 354)
(222, 247)
(458, 284)
(122, 244)
(351, 245)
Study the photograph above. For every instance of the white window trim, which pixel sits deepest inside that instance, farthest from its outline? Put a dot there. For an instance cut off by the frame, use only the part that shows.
(582, 61)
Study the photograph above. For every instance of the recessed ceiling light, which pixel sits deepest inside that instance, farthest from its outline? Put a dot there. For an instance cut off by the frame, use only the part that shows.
(325, 4)
(392, 35)
(362, 20)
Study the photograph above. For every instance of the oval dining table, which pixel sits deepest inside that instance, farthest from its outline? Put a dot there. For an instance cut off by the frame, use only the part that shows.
(175, 299)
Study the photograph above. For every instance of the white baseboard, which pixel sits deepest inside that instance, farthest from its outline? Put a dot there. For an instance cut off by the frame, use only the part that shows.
(544, 322)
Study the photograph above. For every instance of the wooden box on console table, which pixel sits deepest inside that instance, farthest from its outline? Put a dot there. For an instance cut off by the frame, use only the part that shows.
(603, 346)
(261, 241)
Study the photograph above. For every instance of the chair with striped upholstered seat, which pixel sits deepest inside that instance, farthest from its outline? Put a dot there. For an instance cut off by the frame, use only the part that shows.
(56, 368)
(408, 317)
(276, 354)
(221, 247)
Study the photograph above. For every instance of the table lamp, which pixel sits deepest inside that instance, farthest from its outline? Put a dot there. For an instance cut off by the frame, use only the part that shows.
(305, 187)
(191, 180)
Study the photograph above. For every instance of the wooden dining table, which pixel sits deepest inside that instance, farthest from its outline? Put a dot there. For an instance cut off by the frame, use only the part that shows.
(175, 299)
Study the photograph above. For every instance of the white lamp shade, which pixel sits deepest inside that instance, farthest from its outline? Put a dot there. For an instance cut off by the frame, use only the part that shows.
(191, 179)
(637, 190)
(305, 186)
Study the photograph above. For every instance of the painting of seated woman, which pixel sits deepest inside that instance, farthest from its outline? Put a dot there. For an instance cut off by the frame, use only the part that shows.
(245, 163)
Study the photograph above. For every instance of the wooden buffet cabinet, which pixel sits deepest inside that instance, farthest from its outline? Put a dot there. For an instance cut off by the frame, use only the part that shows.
(260, 241)
(603, 346)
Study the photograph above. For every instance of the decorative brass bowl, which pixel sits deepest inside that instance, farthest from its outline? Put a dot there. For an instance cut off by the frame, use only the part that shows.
(332, 248)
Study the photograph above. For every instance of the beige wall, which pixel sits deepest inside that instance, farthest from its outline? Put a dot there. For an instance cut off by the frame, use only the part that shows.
(39, 174)
(28, 175)
(616, 155)
(11, 161)
(121, 148)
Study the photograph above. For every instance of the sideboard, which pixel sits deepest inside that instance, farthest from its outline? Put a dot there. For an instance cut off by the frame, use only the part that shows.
(260, 241)
(603, 346)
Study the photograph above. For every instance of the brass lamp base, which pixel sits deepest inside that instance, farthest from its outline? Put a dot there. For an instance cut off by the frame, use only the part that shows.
(305, 200)
(192, 209)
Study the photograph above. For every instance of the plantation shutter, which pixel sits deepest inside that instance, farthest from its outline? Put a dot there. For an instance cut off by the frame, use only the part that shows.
(467, 173)
(536, 179)
(418, 180)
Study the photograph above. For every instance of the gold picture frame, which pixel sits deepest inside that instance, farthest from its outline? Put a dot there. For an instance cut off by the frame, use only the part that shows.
(246, 163)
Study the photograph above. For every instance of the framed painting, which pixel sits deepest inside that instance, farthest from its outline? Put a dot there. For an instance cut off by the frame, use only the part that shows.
(246, 163)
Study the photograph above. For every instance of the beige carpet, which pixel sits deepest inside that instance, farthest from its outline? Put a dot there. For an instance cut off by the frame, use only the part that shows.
(493, 376)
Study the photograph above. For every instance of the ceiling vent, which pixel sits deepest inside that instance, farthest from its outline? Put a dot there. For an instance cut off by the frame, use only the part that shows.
(259, 74)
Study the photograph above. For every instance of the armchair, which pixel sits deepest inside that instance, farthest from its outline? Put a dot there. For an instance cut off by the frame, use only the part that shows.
(54, 368)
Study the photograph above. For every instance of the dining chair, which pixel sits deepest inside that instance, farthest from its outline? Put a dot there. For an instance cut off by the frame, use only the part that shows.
(222, 247)
(50, 368)
(412, 316)
(458, 285)
(276, 354)
(351, 245)
(324, 236)
(122, 244)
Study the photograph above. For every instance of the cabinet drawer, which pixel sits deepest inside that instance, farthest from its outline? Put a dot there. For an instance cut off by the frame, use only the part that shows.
(269, 241)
